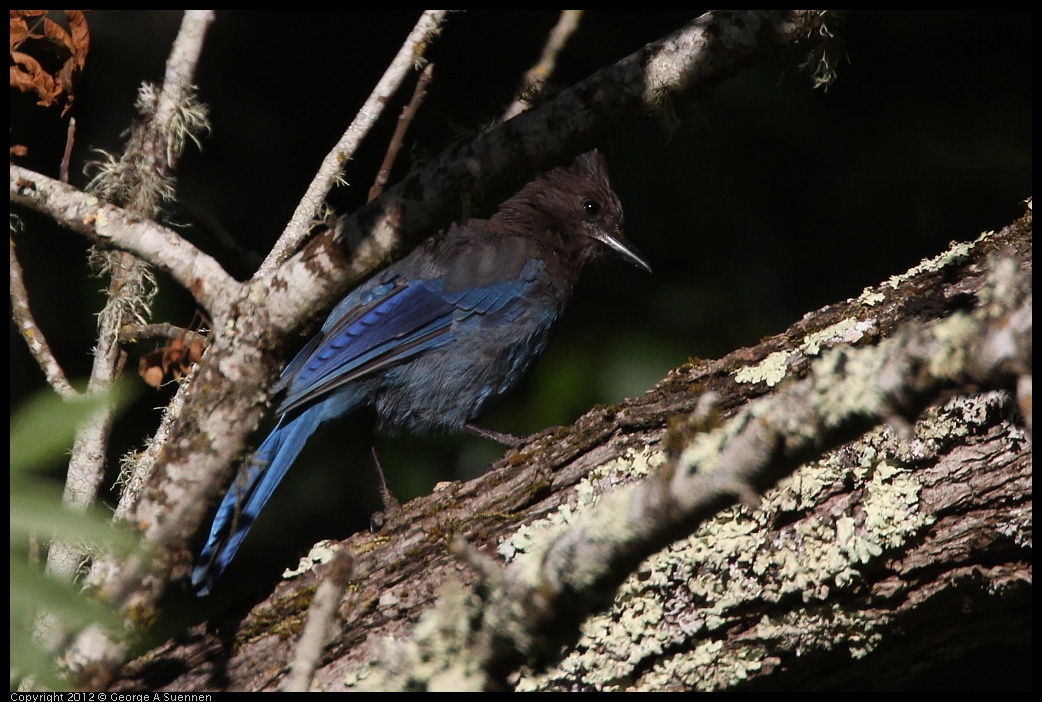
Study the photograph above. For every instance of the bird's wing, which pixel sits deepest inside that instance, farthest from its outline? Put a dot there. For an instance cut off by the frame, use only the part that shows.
(391, 323)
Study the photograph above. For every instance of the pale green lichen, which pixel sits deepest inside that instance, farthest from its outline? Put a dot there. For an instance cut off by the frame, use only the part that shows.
(598, 481)
(322, 552)
(870, 298)
(1016, 526)
(770, 370)
(957, 252)
(708, 665)
(956, 331)
(960, 415)
(435, 658)
(846, 331)
(773, 369)
(677, 598)
(704, 449)
(357, 677)
(849, 385)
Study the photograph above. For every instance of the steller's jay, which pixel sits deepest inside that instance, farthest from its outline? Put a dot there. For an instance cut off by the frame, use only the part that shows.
(432, 340)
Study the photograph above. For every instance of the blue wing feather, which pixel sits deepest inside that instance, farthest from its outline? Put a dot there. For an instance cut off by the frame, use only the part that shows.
(371, 329)
(383, 332)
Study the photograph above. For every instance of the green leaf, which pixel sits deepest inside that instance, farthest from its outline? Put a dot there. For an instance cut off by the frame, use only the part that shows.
(45, 426)
(41, 433)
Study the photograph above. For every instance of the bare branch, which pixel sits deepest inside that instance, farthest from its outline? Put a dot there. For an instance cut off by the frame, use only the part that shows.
(33, 335)
(426, 29)
(108, 226)
(321, 617)
(536, 76)
(404, 120)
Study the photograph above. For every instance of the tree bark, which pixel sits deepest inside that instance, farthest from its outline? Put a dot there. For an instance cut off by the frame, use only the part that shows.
(898, 550)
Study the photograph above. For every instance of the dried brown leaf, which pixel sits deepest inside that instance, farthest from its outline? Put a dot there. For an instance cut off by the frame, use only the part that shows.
(195, 352)
(56, 34)
(19, 30)
(175, 358)
(173, 353)
(80, 36)
(150, 368)
(29, 76)
(71, 46)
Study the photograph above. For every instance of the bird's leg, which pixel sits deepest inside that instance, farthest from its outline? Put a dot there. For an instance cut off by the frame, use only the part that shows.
(497, 436)
(391, 503)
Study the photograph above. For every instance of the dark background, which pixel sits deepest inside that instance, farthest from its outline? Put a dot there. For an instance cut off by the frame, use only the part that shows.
(768, 199)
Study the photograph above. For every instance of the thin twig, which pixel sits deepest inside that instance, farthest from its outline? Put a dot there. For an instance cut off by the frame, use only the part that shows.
(404, 120)
(134, 333)
(321, 615)
(538, 74)
(70, 139)
(333, 165)
(33, 335)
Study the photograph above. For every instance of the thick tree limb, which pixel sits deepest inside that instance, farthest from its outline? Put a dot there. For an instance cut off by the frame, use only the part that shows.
(867, 556)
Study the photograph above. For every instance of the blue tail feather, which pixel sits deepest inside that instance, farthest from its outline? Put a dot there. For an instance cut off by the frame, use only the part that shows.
(250, 492)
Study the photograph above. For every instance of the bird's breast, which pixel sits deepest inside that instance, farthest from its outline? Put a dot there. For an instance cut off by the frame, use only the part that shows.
(451, 386)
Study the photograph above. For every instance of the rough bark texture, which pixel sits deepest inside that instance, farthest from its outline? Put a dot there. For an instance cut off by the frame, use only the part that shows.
(901, 549)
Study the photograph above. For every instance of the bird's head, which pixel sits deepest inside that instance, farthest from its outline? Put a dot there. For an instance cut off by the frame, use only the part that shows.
(577, 203)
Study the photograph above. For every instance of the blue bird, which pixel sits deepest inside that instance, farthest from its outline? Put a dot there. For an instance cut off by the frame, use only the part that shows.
(432, 340)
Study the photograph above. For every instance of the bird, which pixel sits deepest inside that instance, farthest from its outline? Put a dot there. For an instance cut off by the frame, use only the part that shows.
(433, 340)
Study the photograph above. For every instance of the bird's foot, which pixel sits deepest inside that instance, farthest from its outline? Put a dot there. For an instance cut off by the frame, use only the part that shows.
(391, 503)
(497, 436)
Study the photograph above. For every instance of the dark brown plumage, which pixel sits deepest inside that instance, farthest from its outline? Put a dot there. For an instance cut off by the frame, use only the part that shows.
(432, 340)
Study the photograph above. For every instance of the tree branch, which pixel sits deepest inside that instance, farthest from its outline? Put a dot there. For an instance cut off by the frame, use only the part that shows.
(408, 57)
(33, 335)
(111, 227)
(844, 572)
(535, 606)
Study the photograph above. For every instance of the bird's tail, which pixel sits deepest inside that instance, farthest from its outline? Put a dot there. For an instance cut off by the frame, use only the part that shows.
(244, 500)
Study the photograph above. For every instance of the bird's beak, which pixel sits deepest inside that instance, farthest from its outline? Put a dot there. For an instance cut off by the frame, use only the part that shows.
(624, 248)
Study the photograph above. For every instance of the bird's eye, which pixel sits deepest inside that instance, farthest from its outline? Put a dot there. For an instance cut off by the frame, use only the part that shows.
(592, 208)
